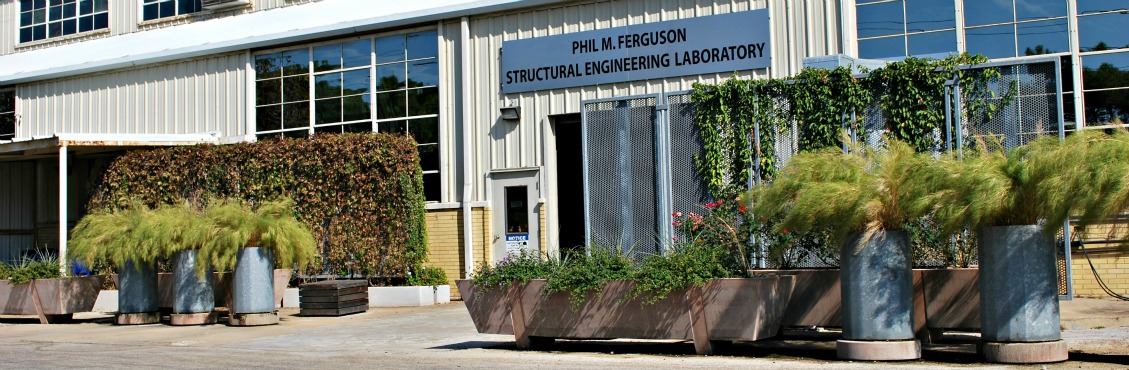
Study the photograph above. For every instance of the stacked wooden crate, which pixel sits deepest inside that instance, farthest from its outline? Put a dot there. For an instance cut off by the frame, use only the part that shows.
(333, 297)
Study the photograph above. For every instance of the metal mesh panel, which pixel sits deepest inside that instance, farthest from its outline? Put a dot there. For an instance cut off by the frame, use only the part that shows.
(687, 191)
(1032, 113)
(621, 183)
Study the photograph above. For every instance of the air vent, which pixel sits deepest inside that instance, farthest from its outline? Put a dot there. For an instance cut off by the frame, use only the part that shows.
(220, 4)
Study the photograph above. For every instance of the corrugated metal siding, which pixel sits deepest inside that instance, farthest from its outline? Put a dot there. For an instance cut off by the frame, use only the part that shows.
(800, 28)
(9, 25)
(125, 17)
(193, 96)
(17, 209)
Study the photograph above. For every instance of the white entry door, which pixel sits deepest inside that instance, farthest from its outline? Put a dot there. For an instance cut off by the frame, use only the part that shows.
(516, 213)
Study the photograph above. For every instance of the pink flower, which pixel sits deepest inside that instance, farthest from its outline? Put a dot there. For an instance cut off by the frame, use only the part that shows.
(674, 237)
(677, 214)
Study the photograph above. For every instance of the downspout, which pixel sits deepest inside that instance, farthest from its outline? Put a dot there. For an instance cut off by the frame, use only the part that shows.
(63, 208)
(465, 100)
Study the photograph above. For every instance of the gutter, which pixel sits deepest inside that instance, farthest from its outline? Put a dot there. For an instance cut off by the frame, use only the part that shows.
(465, 100)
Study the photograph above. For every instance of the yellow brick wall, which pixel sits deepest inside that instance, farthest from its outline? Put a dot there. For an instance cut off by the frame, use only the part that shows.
(445, 239)
(1112, 266)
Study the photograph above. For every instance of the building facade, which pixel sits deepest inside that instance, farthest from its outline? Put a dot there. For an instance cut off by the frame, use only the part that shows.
(501, 136)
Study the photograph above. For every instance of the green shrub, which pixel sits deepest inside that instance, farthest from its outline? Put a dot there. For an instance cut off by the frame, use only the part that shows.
(514, 269)
(428, 276)
(588, 273)
(43, 267)
(361, 195)
(690, 264)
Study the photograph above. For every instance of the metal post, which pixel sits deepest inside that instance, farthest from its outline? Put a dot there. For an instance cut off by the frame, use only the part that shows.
(662, 174)
(623, 169)
(757, 177)
(587, 180)
(948, 117)
(63, 209)
(958, 119)
(1066, 232)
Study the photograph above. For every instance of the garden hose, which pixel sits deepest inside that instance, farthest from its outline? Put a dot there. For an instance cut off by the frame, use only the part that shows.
(1098, 277)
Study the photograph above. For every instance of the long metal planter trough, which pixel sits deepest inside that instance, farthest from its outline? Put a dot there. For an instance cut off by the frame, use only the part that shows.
(723, 310)
(50, 299)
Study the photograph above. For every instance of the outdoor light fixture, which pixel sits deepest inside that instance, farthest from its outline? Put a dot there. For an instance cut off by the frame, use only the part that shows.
(511, 113)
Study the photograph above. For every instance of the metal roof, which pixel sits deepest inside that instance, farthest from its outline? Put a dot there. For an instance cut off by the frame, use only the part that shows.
(253, 30)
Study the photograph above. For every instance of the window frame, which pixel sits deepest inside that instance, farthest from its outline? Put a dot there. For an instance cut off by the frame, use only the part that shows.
(47, 21)
(141, 11)
(441, 142)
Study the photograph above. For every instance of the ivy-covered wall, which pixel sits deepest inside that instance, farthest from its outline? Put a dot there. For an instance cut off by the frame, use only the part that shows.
(361, 194)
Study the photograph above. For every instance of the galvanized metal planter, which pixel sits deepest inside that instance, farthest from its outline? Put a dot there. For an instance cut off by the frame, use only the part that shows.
(191, 293)
(1019, 295)
(723, 310)
(138, 300)
(877, 293)
(252, 288)
(137, 288)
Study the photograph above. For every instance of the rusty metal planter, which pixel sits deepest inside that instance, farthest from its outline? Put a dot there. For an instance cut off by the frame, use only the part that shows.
(50, 299)
(722, 310)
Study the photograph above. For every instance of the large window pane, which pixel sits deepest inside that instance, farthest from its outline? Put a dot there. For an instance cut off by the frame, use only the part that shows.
(423, 101)
(268, 92)
(296, 88)
(1105, 71)
(393, 127)
(327, 57)
(930, 15)
(390, 49)
(328, 111)
(1103, 107)
(390, 77)
(423, 73)
(355, 82)
(296, 115)
(887, 47)
(1104, 31)
(423, 45)
(268, 118)
(390, 105)
(355, 108)
(295, 61)
(880, 19)
(424, 130)
(992, 42)
(429, 157)
(357, 53)
(932, 43)
(1039, 9)
(1095, 6)
(327, 85)
(1043, 37)
(267, 66)
(431, 187)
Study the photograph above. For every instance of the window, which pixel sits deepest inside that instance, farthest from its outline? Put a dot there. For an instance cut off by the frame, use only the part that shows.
(156, 9)
(382, 84)
(1003, 29)
(1105, 83)
(898, 28)
(7, 115)
(42, 19)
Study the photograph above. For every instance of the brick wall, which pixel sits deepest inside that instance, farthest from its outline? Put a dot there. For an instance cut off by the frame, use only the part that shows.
(445, 239)
(1112, 266)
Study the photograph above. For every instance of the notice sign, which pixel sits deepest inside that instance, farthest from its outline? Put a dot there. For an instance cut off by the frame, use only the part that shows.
(516, 242)
(710, 44)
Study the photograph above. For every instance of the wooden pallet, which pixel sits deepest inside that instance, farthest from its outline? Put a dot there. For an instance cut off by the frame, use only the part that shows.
(333, 298)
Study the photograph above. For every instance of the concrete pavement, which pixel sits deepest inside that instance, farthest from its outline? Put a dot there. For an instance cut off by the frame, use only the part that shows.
(444, 337)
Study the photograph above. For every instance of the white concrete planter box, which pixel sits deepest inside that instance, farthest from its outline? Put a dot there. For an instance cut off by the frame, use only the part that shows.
(394, 296)
(408, 296)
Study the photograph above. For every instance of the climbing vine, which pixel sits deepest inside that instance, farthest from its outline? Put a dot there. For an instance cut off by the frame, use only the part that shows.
(820, 102)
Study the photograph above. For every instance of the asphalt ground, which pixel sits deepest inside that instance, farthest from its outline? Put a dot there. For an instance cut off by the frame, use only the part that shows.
(443, 337)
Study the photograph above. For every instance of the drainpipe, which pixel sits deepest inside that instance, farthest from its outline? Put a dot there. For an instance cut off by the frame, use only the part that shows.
(465, 99)
(63, 209)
